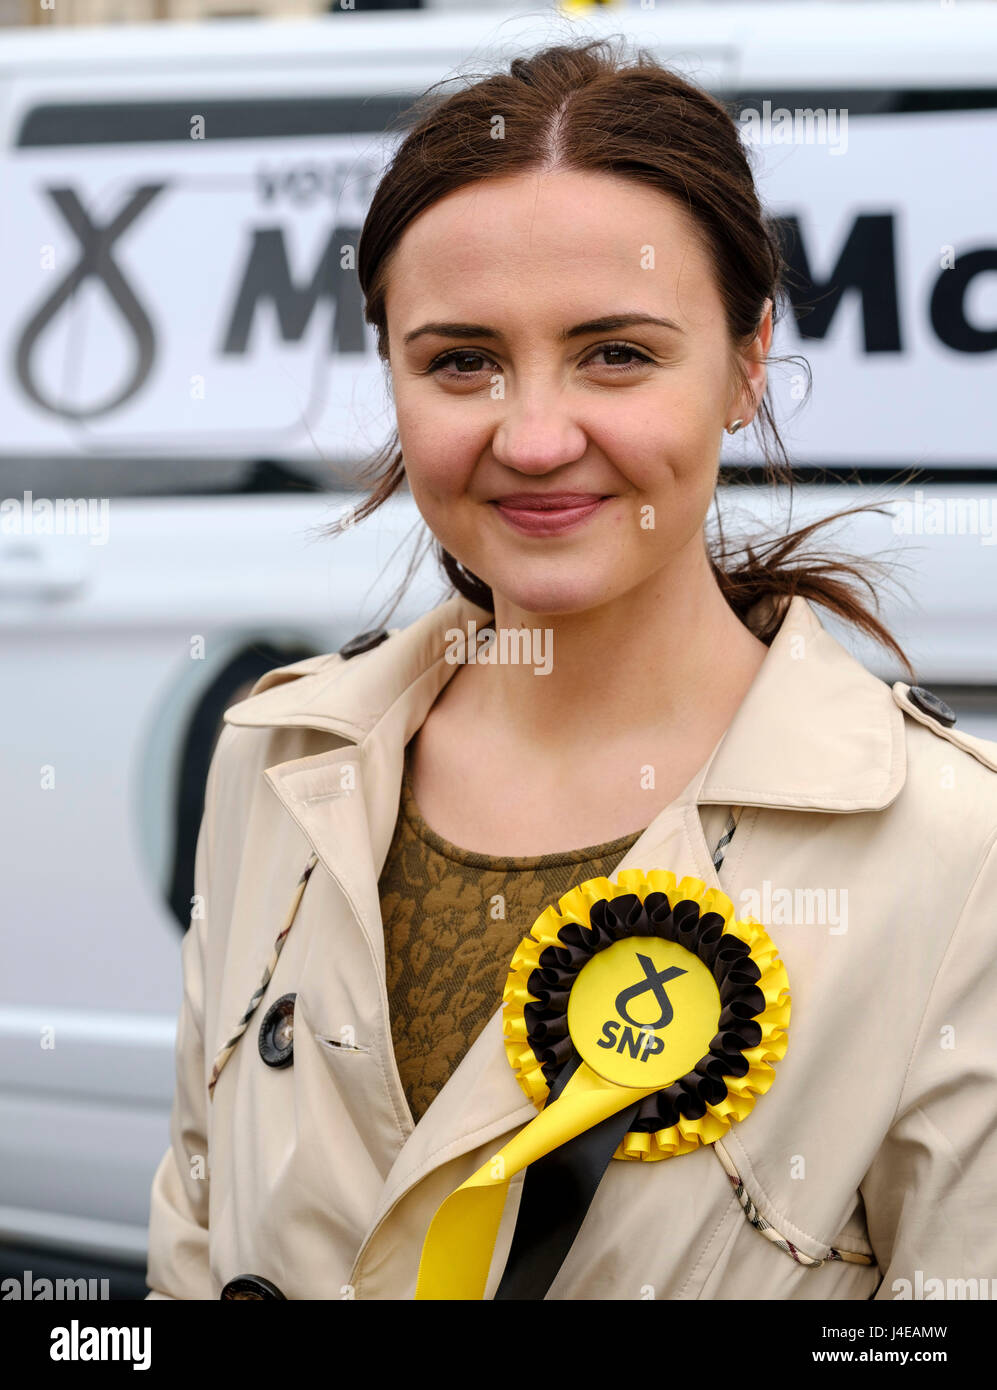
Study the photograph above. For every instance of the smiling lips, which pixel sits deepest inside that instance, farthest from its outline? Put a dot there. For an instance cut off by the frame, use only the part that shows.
(548, 501)
(538, 514)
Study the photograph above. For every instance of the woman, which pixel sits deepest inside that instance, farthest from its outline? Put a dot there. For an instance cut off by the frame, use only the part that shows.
(573, 288)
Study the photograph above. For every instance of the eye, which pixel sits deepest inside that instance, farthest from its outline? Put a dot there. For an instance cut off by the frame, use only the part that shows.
(627, 350)
(457, 356)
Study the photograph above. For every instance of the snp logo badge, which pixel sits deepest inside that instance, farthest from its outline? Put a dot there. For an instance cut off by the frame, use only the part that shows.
(641, 1038)
(643, 1011)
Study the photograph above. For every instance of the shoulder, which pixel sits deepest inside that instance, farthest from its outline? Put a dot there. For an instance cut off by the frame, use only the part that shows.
(927, 711)
(264, 728)
(287, 687)
(322, 664)
(951, 777)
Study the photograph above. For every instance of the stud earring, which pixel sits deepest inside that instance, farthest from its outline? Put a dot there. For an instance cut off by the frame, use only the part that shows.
(734, 426)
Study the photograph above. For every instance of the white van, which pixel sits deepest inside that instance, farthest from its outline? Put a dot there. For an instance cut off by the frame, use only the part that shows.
(187, 385)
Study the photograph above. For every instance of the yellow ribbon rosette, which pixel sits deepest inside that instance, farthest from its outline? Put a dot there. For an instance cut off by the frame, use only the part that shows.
(645, 999)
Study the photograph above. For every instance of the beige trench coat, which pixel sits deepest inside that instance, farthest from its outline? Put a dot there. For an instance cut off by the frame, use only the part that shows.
(872, 1159)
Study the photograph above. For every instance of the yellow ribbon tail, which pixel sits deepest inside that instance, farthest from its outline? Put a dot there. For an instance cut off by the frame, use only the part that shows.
(457, 1251)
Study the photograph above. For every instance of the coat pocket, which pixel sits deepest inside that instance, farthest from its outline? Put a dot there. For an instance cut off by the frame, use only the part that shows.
(771, 1254)
(340, 1047)
(348, 1074)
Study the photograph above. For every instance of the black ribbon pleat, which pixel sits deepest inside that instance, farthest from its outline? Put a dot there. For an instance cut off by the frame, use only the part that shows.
(557, 1192)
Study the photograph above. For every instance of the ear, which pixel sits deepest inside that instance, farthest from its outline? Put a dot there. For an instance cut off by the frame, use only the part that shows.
(754, 356)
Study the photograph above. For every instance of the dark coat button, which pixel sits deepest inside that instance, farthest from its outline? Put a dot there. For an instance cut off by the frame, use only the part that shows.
(929, 703)
(363, 642)
(252, 1286)
(277, 1032)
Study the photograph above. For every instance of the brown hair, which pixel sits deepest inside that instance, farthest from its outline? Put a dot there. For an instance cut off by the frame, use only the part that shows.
(586, 106)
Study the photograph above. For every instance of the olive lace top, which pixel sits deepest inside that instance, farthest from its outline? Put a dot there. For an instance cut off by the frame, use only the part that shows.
(452, 920)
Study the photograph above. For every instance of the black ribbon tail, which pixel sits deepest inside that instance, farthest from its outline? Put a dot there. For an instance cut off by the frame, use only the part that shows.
(557, 1192)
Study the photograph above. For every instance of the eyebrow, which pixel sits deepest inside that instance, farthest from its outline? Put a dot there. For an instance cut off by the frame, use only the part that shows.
(609, 324)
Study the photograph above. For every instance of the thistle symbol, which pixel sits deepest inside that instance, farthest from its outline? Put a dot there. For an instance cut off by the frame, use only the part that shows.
(654, 981)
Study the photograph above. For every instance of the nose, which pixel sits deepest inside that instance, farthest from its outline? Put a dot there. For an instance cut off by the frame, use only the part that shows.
(536, 435)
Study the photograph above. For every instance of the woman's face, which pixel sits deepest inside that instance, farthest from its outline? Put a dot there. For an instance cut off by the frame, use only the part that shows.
(505, 382)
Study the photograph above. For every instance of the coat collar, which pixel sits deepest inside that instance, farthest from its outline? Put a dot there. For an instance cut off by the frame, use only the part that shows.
(816, 730)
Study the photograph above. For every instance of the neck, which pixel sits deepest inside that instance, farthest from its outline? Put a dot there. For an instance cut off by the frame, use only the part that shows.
(669, 657)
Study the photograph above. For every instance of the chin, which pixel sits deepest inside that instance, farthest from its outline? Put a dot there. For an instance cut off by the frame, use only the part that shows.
(567, 595)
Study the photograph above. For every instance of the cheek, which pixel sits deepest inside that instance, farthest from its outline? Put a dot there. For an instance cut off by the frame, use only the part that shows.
(432, 461)
(439, 452)
(685, 405)
(668, 453)
(672, 444)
